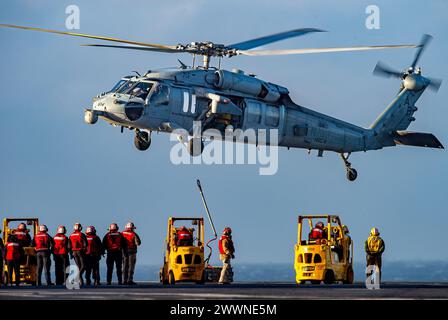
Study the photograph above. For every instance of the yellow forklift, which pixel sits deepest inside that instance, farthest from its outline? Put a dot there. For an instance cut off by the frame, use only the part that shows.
(184, 262)
(187, 263)
(28, 264)
(329, 259)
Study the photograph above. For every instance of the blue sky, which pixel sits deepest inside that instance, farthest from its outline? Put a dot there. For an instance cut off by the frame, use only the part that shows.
(54, 166)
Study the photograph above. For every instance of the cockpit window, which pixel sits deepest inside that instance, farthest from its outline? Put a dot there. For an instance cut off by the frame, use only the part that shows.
(160, 95)
(140, 90)
(118, 85)
(125, 86)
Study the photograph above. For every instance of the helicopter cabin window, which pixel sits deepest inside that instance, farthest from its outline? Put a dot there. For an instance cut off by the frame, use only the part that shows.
(140, 90)
(272, 116)
(253, 112)
(160, 95)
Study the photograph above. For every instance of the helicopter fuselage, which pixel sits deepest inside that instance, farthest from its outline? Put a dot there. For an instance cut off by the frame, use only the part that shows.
(220, 100)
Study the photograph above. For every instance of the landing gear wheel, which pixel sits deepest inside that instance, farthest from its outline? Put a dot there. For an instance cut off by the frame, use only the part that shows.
(195, 147)
(142, 140)
(352, 174)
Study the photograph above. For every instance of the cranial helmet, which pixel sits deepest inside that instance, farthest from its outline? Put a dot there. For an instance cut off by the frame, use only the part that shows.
(113, 227)
(374, 232)
(43, 228)
(91, 229)
(77, 226)
(319, 225)
(61, 229)
(130, 226)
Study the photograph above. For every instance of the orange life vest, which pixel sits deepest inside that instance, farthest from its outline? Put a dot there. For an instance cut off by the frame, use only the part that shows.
(76, 240)
(60, 244)
(220, 245)
(42, 241)
(12, 251)
(22, 237)
(316, 233)
(113, 241)
(130, 236)
(92, 245)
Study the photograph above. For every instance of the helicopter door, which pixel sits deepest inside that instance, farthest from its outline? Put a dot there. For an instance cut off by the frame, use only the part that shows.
(183, 107)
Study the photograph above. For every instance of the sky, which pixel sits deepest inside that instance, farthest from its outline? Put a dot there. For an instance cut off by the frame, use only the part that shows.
(56, 167)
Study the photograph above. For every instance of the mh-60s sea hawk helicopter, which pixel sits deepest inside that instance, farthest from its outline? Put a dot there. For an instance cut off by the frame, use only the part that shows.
(227, 100)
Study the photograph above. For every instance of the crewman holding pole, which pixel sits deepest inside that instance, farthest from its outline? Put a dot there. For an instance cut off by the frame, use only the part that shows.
(78, 245)
(43, 243)
(61, 250)
(374, 247)
(132, 241)
(93, 256)
(113, 243)
(226, 253)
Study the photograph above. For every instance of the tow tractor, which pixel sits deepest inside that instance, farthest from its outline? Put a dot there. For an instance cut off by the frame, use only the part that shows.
(329, 259)
(187, 262)
(28, 264)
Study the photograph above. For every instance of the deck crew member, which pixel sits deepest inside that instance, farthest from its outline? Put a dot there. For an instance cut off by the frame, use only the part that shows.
(93, 256)
(374, 247)
(113, 243)
(60, 255)
(13, 254)
(43, 243)
(226, 253)
(78, 245)
(132, 241)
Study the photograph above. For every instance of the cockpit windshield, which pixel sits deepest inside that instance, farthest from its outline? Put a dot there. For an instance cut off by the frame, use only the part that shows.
(118, 85)
(124, 87)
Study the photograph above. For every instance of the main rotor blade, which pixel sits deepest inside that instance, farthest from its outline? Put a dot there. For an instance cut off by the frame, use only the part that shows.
(145, 44)
(426, 39)
(319, 50)
(136, 48)
(253, 43)
(383, 70)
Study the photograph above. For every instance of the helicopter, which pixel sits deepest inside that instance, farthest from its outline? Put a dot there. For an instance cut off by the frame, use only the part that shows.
(169, 100)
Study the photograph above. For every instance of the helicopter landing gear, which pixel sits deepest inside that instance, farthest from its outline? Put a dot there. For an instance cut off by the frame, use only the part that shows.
(351, 173)
(142, 140)
(195, 147)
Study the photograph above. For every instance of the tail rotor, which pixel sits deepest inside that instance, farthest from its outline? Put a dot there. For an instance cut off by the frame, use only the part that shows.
(383, 70)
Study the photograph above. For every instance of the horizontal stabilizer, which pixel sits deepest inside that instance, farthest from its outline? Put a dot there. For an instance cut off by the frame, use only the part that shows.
(417, 139)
